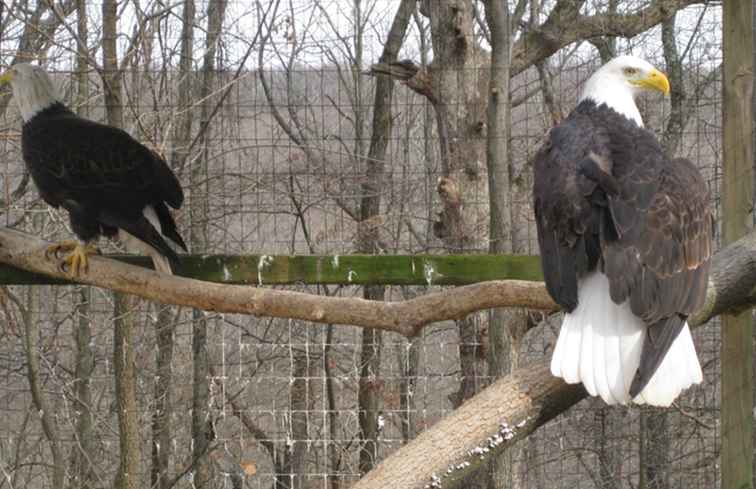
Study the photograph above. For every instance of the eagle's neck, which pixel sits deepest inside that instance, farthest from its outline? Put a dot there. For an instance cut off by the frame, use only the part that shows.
(33, 99)
(616, 95)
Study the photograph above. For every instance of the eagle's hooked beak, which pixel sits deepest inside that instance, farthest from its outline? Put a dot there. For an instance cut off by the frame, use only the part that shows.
(655, 80)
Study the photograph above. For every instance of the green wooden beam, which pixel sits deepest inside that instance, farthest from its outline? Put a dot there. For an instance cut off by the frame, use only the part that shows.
(330, 270)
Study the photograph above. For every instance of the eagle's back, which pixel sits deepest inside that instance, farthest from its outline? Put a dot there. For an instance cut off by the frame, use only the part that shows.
(75, 161)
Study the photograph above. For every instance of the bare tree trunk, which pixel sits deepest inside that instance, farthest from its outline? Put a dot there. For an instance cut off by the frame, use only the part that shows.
(458, 94)
(369, 395)
(410, 363)
(125, 393)
(111, 76)
(183, 118)
(506, 327)
(83, 455)
(654, 450)
(300, 429)
(162, 446)
(127, 476)
(202, 427)
(46, 413)
(459, 82)
(370, 390)
(332, 449)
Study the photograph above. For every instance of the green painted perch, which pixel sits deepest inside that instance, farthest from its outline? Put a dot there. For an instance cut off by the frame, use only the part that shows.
(330, 270)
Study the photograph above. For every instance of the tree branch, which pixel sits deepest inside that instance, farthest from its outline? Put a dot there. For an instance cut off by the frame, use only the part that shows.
(565, 25)
(530, 397)
(405, 317)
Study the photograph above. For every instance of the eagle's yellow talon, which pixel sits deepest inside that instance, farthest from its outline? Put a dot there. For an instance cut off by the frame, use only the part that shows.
(52, 251)
(77, 260)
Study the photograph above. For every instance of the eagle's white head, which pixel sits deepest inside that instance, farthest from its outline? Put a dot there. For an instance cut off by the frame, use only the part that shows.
(33, 90)
(618, 82)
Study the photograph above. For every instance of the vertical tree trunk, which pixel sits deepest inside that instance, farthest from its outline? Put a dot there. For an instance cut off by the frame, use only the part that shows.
(127, 476)
(82, 457)
(300, 429)
(369, 395)
(46, 414)
(654, 450)
(459, 77)
(506, 327)
(737, 199)
(82, 471)
(410, 362)
(459, 88)
(162, 446)
(202, 428)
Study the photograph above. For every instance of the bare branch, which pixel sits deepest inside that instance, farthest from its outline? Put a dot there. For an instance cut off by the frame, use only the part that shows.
(407, 317)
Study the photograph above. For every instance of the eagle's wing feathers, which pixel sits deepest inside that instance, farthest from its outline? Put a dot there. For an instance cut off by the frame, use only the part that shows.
(567, 217)
(94, 161)
(660, 259)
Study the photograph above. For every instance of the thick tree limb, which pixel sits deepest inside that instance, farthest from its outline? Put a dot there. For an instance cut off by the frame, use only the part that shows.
(407, 317)
(563, 27)
(531, 396)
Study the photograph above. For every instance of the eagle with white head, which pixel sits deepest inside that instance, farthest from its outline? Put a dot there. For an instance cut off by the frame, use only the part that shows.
(626, 239)
(109, 183)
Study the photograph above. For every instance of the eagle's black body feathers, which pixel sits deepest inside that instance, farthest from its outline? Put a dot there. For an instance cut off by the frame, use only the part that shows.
(606, 196)
(102, 176)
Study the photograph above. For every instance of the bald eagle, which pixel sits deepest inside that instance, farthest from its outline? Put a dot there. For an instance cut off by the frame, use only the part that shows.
(625, 236)
(109, 183)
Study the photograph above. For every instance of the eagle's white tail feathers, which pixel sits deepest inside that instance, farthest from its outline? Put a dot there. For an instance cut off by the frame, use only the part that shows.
(137, 246)
(600, 345)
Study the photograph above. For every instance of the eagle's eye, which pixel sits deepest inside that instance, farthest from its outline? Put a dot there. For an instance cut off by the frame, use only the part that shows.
(629, 71)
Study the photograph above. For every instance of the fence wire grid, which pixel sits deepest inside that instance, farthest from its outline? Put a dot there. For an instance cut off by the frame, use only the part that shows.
(281, 169)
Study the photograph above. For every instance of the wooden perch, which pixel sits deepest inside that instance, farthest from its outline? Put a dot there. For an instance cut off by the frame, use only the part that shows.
(328, 270)
(25, 251)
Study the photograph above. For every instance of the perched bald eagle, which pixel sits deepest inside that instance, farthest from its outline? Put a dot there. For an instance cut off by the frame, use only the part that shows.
(625, 235)
(109, 183)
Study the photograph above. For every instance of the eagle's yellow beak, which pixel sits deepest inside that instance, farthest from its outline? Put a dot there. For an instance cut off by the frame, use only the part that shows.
(6, 77)
(655, 80)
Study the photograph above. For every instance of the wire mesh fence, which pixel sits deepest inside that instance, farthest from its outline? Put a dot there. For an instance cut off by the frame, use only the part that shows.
(277, 162)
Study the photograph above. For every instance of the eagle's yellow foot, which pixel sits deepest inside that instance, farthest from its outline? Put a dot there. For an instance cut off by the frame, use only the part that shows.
(76, 261)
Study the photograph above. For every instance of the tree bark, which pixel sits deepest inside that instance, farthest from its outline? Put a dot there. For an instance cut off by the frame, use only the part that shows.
(41, 404)
(737, 205)
(203, 433)
(83, 456)
(506, 327)
(458, 83)
(127, 476)
(162, 433)
(370, 391)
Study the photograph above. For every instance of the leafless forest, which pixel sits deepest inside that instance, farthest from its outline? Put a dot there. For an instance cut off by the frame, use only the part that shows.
(295, 129)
